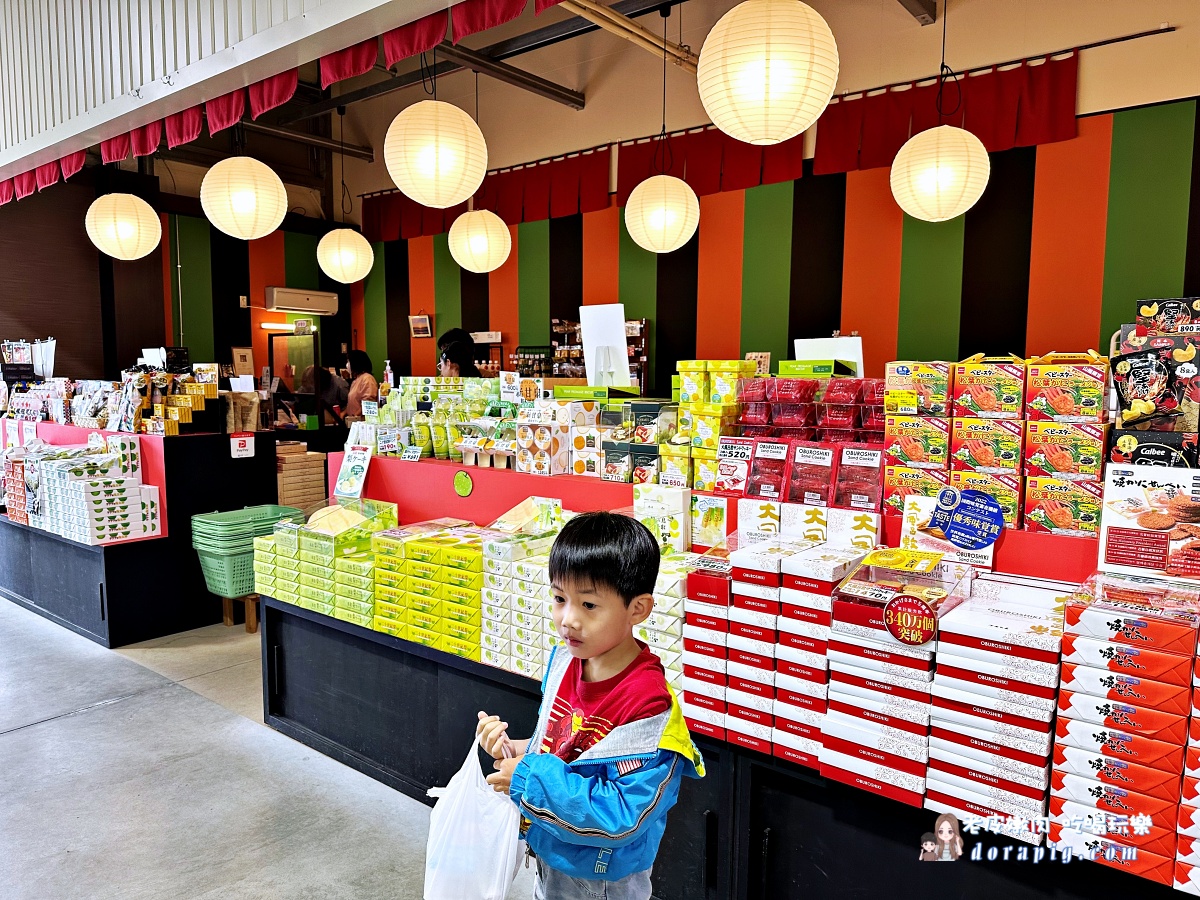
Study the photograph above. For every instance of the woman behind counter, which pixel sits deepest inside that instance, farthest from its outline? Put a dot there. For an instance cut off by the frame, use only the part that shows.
(363, 385)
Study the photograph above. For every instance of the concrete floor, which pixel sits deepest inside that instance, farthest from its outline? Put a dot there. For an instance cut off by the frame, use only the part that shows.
(146, 773)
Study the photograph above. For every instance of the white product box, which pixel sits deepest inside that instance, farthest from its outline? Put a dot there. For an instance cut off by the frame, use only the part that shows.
(965, 809)
(886, 774)
(530, 605)
(533, 589)
(707, 663)
(751, 645)
(990, 774)
(495, 582)
(664, 623)
(502, 599)
(824, 564)
(900, 680)
(550, 640)
(700, 714)
(671, 582)
(801, 521)
(896, 707)
(762, 592)
(997, 760)
(875, 737)
(795, 742)
(801, 627)
(529, 653)
(854, 529)
(1036, 705)
(753, 617)
(750, 673)
(766, 556)
(1008, 590)
(921, 657)
(492, 658)
(745, 726)
(751, 701)
(997, 666)
(853, 656)
(707, 635)
(1023, 668)
(657, 640)
(499, 567)
(994, 730)
(715, 610)
(787, 712)
(668, 604)
(534, 569)
(499, 630)
(800, 657)
(697, 686)
(758, 520)
(959, 789)
(794, 597)
(528, 668)
(1015, 712)
(530, 622)
(501, 646)
(820, 690)
(1023, 626)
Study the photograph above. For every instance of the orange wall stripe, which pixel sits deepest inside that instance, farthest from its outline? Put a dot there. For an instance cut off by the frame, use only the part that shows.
(267, 269)
(421, 301)
(871, 266)
(168, 280)
(504, 297)
(719, 276)
(358, 317)
(601, 256)
(1066, 260)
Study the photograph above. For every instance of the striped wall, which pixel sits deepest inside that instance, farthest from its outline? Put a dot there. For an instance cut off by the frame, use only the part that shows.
(1065, 240)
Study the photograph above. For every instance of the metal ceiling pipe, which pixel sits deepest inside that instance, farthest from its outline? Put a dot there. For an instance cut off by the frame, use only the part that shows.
(622, 26)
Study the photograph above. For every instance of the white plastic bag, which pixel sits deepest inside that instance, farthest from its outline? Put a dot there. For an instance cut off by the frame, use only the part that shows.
(474, 839)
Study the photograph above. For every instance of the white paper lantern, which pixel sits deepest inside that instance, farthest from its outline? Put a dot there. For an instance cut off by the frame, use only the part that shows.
(243, 198)
(662, 214)
(767, 70)
(940, 173)
(435, 153)
(345, 255)
(123, 226)
(479, 241)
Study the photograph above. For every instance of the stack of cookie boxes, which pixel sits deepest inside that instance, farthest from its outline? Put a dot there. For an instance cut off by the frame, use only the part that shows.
(517, 631)
(1123, 708)
(994, 692)
(545, 433)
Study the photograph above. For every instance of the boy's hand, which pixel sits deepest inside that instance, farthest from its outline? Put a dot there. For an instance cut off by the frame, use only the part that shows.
(493, 736)
(501, 780)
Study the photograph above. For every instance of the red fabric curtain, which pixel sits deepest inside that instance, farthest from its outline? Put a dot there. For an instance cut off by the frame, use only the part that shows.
(741, 165)
(564, 186)
(356, 60)
(472, 16)
(271, 92)
(416, 37)
(24, 184)
(115, 149)
(46, 174)
(183, 127)
(145, 139)
(537, 193)
(783, 162)
(886, 119)
(225, 112)
(540, 6)
(925, 113)
(702, 152)
(410, 218)
(72, 163)
(433, 220)
(485, 197)
(6, 191)
(635, 163)
(839, 133)
(991, 102)
(593, 180)
(1047, 108)
(510, 196)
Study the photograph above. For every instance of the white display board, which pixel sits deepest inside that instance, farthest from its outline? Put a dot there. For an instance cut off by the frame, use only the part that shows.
(605, 350)
(847, 348)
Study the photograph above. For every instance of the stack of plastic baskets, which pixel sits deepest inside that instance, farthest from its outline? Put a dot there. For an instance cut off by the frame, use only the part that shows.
(225, 544)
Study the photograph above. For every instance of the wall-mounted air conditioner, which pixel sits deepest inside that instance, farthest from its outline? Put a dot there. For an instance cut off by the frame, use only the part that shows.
(317, 303)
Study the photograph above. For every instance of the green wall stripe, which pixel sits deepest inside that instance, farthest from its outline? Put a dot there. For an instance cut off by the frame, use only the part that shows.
(447, 286)
(195, 257)
(767, 270)
(931, 262)
(533, 282)
(375, 309)
(300, 261)
(1148, 196)
(638, 290)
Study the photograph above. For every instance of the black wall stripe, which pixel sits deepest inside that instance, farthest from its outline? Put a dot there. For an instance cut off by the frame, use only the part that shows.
(1191, 267)
(230, 282)
(818, 242)
(335, 330)
(473, 287)
(996, 245)
(566, 267)
(675, 316)
(395, 267)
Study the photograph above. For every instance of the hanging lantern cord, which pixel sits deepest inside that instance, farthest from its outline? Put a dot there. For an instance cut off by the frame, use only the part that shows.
(429, 74)
(667, 161)
(347, 198)
(945, 72)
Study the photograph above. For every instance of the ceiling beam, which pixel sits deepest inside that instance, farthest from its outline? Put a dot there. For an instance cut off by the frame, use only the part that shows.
(568, 28)
(502, 71)
(924, 11)
(624, 27)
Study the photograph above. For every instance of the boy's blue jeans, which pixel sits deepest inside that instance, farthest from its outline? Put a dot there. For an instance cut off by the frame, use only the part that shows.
(551, 884)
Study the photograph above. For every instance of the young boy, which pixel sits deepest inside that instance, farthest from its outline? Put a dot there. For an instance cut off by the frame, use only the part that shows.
(603, 767)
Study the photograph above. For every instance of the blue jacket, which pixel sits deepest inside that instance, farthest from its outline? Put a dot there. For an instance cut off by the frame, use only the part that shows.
(586, 818)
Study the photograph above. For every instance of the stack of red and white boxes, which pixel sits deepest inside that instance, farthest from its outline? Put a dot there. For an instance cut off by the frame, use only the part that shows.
(876, 732)
(1123, 709)
(802, 659)
(705, 635)
(1187, 852)
(994, 692)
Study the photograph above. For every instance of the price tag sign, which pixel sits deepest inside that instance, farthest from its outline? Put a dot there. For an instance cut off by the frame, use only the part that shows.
(387, 441)
(302, 326)
(411, 454)
(370, 409)
(241, 444)
(28, 432)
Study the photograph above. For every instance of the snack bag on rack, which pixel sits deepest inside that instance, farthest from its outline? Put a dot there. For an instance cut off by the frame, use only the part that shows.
(1148, 390)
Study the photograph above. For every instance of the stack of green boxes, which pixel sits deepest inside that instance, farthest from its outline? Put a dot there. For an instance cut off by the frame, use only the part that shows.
(264, 565)
(354, 589)
(287, 562)
(445, 580)
(391, 582)
(316, 577)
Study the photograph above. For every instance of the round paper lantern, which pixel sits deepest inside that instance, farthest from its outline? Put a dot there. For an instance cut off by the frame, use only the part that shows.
(767, 70)
(940, 173)
(243, 198)
(479, 241)
(123, 226)
(662, 214)
(435, 153)
(345, 255)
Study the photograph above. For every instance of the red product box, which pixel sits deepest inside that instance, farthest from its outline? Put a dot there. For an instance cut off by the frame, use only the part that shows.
(755, 576)
(859, 708)
(705, 635)
(988, 785)
(750, 742)
(804, 745)
(703, 701)
(811, 473)
(1122, 623)
(802, 701)
(872, 756)
(1107, 797)
(1122, 773)
(801, 672)
(746, 686)
(753, 633)
(888, 687)
(1191, 791)
(700, 620)
(986, 683)
(1191, 765)
(804, 721)
(1188, 822)
(807, 585)
(761, 699)
(768, 470)
(709, 587)
(698, 673)
(1123, 688)
(975, 745)
(801, 642)
(808, 760)
(874, 785)
(754, 609)
(1036, 718)
(860, 654)
(705, 728)
(805, 614)
(1172, 729)
(704, 715)
(1108, 852)
(704, 649)
(1142, 662)
(1160, 839)
(707, 688)
(755, 716)
(1187, 850)
(1121, 744)
(874, 744)
(751, 666)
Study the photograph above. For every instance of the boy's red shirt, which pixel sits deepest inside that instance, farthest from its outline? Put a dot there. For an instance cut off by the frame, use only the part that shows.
(583, 712)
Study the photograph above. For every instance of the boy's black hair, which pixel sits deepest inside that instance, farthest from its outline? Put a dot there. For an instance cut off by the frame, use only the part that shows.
(928, 838)
(606, 549)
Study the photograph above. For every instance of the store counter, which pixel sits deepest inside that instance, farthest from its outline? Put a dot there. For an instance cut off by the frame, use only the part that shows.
(136, 590)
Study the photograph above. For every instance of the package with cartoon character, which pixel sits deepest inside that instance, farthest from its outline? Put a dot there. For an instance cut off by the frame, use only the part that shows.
(1174, 449)
(986, 445)
(1178, 347)
(1062, 507)
(1177, 315)
(1066, 450)
(1066, 387)
(989, 387)
(1148, 392)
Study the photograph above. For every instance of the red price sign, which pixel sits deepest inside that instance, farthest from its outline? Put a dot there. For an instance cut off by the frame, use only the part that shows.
(910, 620)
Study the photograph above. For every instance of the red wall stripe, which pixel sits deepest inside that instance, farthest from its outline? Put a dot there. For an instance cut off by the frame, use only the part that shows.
(601, 256)
(1066, 262)
(504, 298)
(871, 266)
(719, 276)
(421, 301)
(267, 269)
